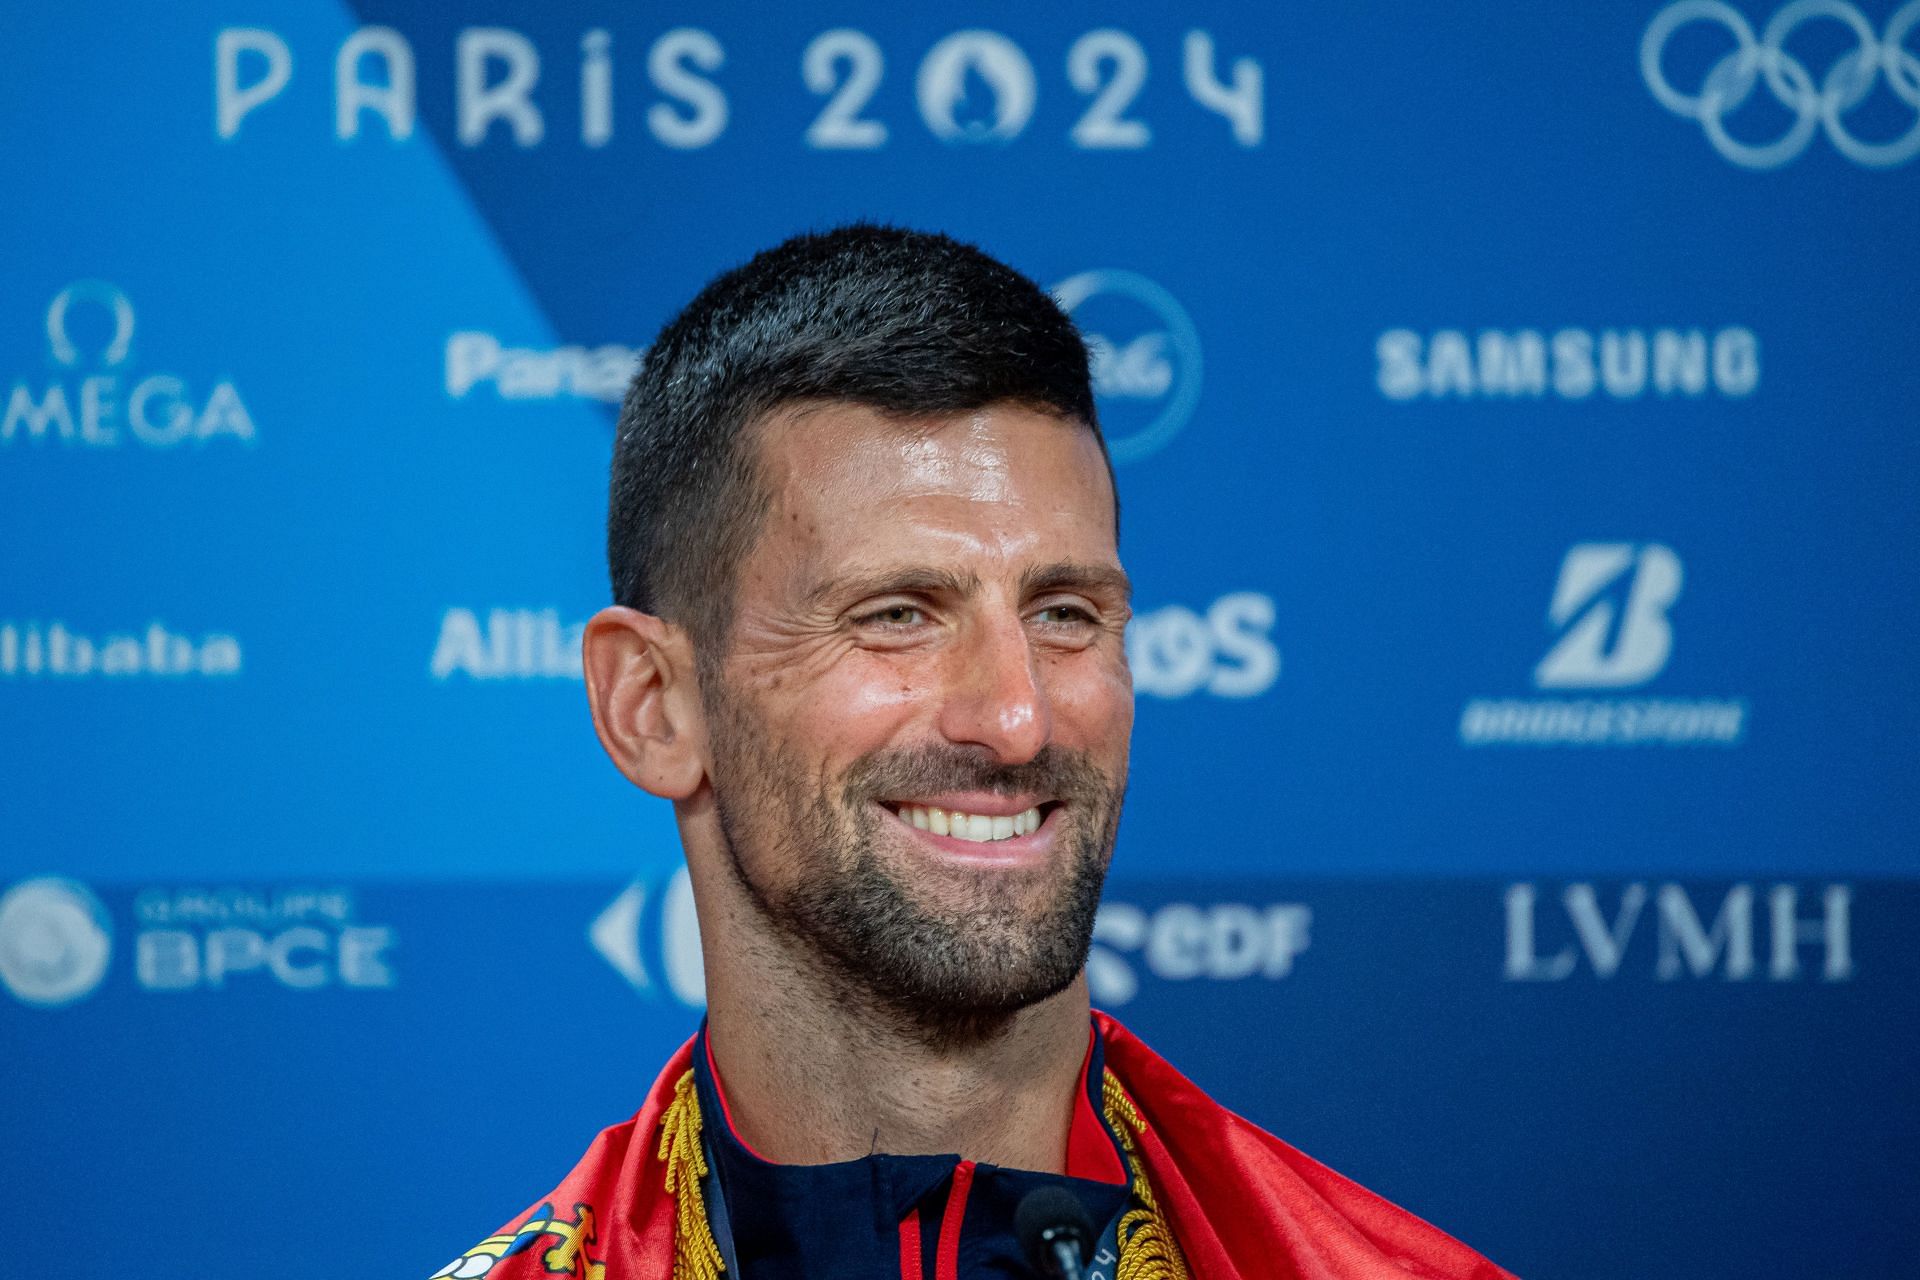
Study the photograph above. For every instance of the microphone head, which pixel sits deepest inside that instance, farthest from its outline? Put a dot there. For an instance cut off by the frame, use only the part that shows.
(1046, 1216)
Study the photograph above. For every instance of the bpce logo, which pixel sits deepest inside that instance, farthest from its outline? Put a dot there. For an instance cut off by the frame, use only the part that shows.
(56, 941)
(1817, 100)
(1145, 356)
(90, 328)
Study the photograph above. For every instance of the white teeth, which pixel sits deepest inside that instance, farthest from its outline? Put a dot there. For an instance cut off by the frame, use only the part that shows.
(970, 826)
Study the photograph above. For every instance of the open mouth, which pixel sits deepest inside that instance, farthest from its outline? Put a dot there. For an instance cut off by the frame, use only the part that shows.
(981, 828)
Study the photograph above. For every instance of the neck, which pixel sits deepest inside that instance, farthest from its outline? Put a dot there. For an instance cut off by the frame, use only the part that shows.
(815, 1074)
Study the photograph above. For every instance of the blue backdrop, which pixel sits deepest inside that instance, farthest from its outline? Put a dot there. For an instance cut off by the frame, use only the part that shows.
(1515, 410)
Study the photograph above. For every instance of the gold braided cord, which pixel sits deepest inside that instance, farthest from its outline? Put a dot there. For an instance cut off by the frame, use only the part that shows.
(695, 1255)
(1148, 1250)
(1147, 1247)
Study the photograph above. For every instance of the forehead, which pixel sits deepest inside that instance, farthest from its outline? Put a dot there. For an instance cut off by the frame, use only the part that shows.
(847, 482)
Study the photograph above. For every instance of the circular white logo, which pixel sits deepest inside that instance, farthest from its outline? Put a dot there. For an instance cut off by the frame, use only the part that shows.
(1145, 356)
(975, 86)
(1815, 102)
(103, 295)
(55, 939)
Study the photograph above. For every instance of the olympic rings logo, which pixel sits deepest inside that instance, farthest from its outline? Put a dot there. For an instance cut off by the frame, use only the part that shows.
(1846, 84)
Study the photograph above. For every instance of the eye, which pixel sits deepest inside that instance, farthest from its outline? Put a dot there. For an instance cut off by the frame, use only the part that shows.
(894, 615)
(1067, 614)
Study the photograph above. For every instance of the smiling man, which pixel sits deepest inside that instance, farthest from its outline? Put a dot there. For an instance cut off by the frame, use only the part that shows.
(869, 642)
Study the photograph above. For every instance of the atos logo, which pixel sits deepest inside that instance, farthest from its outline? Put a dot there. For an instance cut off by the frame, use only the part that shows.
(55, 941)
(1181, 942)
(651, 936)
(95, 401)
(1610, 605)
(975, 86)
(1145, 357)
(1228, 652)
(1599, 651)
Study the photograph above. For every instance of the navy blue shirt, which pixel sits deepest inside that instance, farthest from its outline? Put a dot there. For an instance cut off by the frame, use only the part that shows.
(915, 1217)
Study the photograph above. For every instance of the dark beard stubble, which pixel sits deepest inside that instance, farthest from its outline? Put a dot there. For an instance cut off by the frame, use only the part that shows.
(945, 977)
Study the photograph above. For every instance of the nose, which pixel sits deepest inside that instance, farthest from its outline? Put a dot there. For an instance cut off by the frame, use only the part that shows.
(994, 697)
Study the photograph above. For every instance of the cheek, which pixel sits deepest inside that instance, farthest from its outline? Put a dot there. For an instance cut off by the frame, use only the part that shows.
(1093, 706)
(862, 702)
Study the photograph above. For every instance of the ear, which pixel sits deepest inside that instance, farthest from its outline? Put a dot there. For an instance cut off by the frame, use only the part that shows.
(646, 700)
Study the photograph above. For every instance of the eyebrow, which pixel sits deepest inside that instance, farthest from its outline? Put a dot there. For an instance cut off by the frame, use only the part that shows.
(1072, 573)
(918, 579)
(928, 580)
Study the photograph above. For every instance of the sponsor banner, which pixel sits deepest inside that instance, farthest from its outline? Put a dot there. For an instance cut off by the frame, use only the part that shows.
(1568, 364)
(1414, 1033)
(1512, 414)
(56, 651)
(969, 88)
(1611, 607)
(97, 394)
(57, 941)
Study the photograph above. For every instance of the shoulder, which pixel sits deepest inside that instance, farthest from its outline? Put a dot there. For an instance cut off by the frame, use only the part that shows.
(609, 1216)
(1234, 1192)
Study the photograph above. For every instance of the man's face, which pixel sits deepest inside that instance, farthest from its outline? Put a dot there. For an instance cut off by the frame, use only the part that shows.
(920, 724)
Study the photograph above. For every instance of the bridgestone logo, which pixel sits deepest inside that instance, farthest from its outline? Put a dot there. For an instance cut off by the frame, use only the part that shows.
(1629, 722)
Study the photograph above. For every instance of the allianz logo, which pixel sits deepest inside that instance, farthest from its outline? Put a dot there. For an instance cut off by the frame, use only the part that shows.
(650, 935)
(57, 940)
(507, 644)
(55, 651)
(1672, 933)
(478, 360)
(1568, 364)
(1226, 650)
(96, 400)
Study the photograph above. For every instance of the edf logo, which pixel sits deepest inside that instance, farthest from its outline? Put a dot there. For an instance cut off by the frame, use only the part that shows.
(1182, 942)
(1605, 645)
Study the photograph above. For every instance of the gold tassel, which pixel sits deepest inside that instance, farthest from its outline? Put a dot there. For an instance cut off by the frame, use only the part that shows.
(1147, 1248)
(695, 1255)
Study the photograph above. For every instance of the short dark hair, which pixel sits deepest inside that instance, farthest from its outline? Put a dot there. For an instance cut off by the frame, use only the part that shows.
(907, 322)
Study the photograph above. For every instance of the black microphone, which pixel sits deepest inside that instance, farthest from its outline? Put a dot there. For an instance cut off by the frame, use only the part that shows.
(1055, 1232)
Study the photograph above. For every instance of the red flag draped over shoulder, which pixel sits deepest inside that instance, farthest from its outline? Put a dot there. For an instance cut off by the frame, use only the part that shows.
(611, 1218)
(1241, 1204)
